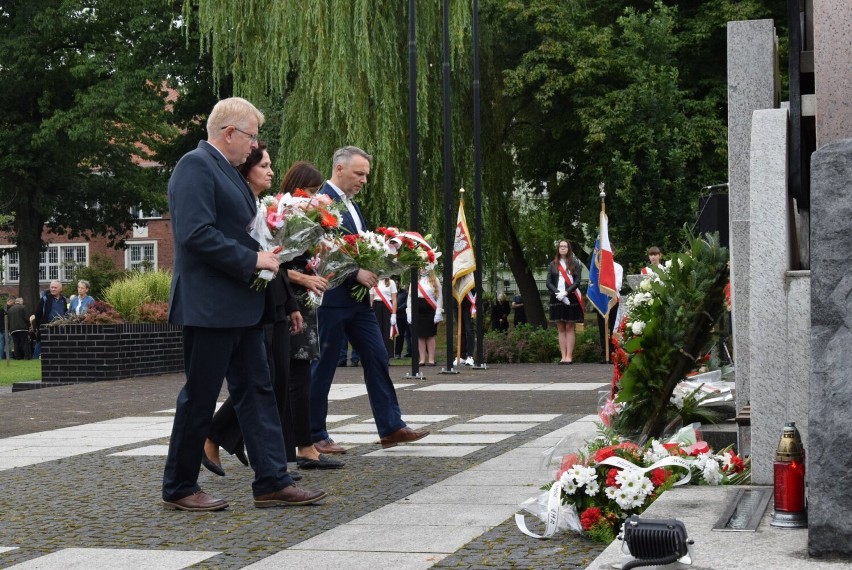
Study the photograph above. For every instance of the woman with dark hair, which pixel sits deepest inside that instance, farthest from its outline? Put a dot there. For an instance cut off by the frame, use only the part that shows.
(281, 317)
(566, 301)
(304, 346)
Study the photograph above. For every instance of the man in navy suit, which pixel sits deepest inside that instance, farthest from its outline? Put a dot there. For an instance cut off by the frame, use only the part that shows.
(215, 259)
(340, 313)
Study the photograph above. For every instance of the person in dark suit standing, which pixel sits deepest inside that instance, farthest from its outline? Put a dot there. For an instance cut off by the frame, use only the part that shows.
(215, 260)
(341, 313)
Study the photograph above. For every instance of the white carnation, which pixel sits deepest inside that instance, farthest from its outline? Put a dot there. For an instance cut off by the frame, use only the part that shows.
(637, 327)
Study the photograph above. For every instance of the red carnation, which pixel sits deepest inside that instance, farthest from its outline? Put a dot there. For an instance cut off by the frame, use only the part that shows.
(351, 239)
(610, 477)
(590, 517)
(659, 476)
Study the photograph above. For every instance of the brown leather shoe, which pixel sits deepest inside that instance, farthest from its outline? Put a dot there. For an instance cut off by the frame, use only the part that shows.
(288, 497)
(199, 501)
(404, 435)
(328, 447)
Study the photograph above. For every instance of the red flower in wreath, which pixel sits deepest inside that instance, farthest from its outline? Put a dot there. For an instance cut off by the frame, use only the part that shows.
(590, 517)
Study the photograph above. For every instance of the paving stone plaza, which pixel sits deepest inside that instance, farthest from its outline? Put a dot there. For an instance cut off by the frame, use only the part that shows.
(81, 471)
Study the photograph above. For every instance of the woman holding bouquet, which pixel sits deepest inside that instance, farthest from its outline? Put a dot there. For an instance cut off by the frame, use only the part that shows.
(566, 301)
(384, 297)
(281, 317)
(304, 346)
(429, 314)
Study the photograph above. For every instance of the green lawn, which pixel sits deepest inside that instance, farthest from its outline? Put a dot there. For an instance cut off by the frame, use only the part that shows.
(19, 371)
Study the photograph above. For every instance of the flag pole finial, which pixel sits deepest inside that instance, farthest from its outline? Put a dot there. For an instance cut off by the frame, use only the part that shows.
(461, 190)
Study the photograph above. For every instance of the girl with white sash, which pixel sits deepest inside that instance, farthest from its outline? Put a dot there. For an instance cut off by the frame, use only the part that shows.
(429, 314)
(566, 300)
(385, 306)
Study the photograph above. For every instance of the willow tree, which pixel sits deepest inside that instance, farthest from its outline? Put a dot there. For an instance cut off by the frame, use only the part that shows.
(343, 67)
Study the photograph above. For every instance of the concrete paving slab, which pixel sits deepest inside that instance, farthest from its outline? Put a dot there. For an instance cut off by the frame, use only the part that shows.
(388, 538)
(463, 438)
(365, 428)
(496, 478)
(7, 548)
(335, 418)
(514, 418)
(466, 387)
(472, 494)
(483, 427)
(406, 514)
(348, 560)
(426, 451)
(88, 558)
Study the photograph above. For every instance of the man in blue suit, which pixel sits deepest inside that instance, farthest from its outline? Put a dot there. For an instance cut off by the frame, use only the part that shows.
(340, 313)
(215, 260)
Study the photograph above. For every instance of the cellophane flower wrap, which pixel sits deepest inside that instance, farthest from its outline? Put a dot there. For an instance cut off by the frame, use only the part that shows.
(332, 261)
(289, 225)
(385, 252)
(610, 479)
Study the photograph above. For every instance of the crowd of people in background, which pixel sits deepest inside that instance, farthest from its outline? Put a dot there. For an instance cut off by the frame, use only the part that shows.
(21, 330)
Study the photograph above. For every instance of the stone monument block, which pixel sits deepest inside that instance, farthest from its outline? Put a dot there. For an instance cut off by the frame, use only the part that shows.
(768, 264)
(751, 85)
(828, 459)
(832, 20)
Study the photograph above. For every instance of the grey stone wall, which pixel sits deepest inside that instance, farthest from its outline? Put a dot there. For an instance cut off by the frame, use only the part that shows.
(828, 458)
(832, 21)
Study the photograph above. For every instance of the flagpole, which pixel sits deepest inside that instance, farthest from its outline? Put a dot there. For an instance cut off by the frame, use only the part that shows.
(477, 195)
(606, 316)
(449, 235)
(414, 186)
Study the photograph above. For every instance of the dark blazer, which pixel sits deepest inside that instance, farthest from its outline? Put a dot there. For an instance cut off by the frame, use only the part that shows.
(553, 278)
(215, 256)
(341, 296)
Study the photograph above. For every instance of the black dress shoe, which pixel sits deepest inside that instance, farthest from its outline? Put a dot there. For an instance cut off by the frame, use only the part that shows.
(324, 462)
(216, 468)
(240, 453)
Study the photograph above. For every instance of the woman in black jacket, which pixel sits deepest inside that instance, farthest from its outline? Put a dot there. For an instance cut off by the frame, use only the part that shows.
(566, 300)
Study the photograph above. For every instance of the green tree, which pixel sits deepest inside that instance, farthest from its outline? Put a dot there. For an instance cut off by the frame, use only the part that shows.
(628, 95)
(82, 102)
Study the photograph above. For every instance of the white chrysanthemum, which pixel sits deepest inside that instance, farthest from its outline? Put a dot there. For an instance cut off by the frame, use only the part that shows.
(656, 452)
(712, 474)
(646, 486)
(637, 327)
(583, 475)
(610, 492)
(565, 478)
(701, 461)
(592, 488)
(625, 499)
(570, 487)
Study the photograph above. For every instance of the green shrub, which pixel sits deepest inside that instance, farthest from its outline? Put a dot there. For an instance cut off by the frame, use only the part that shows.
(524, 343)
(129, 295)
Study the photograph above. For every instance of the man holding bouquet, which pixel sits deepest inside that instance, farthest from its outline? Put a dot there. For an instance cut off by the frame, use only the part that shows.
(341, 313)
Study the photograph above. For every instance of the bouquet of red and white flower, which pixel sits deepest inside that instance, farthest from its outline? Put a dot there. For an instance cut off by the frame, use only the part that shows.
(289, 225)
(597, 488)
(385, 252)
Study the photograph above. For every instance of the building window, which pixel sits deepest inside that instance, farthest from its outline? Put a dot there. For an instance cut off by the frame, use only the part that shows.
(59, 261)
(141, 214)
(141, 256)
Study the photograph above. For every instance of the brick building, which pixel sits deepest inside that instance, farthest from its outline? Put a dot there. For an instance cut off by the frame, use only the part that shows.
(148, 243)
